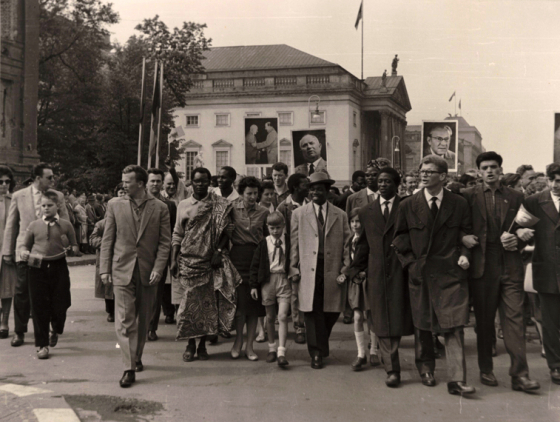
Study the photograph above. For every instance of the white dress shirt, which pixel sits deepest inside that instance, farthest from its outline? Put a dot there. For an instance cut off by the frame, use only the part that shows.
(276, 266)
(382, 201)
(371, 194)
(315, 164)
(429, 197)
(323, 210)
(556, 200)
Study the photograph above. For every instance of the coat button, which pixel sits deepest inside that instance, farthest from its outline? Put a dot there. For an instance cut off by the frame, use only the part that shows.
(314, 253)
(312, 269)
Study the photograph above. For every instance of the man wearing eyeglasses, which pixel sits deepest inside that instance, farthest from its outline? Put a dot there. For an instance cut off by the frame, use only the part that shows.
(429, 229)
(439, 139)
(24, 209)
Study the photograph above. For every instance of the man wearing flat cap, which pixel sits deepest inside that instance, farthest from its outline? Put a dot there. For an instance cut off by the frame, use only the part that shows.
(319, 231)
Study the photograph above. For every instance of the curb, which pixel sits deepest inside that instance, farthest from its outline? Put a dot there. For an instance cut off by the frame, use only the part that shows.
(81, 261)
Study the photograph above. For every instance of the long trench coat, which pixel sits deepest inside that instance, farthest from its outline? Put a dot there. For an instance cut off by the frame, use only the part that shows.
(8, 274)
(439, 293)
(386, 287)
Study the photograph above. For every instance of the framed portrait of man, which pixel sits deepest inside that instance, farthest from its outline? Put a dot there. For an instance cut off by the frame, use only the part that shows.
(556, 137)
(310, 150)
(261, 140)
(440, 137)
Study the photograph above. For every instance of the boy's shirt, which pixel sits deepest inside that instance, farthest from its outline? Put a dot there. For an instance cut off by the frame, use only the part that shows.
(46, 237)
(353, 244)
(276, 255)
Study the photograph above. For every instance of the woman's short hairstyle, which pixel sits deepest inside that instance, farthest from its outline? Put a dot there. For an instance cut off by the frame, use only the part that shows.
(267, 184)
(117, 189)
(7, 171)
(354, 212)
(275, 219)
(249, 182)
(466, 178)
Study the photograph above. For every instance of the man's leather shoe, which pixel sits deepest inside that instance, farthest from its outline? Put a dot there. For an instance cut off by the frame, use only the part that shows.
(43, 353)
(555, 375)
(127, 379)
(359, 363)
(188, 356)
(393, 379)
(152, 336)
(53, 339)
(488, 379)
(212, 339)
(348, 320)
(460, 388)
(282, 361)
(4, 333)
(139, 366)
(316, 362)
(438, 344)
(524, 384)
(202, 353)
(17, 340)
(428, 379)
(110, 318)
(271, 357)
(374, 360)
(300, 338)
(169, 319)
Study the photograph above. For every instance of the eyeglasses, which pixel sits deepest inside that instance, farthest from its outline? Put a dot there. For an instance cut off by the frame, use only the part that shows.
(428, 172)
(439, 138)
(49, 177)
(5, 182)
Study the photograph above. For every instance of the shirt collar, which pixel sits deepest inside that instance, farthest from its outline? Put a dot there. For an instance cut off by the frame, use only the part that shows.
(195, 201)
(34, 190)
(429, 196)
(51, 222)
(383, 200)
(315, 163)
(487, 188)
(370, 192)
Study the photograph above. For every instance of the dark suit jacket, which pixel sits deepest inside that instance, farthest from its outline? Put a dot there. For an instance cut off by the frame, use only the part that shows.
(546, 256)
(260, 266)
(387, 283)
(508, 207)
(357, 200)
(340, 202)
(430, 250)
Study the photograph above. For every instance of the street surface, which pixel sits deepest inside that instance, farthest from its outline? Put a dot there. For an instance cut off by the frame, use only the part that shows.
(80, 381)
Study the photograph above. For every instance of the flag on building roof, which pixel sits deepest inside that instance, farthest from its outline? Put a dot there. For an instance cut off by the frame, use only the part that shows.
(452, 96)
(360, 15)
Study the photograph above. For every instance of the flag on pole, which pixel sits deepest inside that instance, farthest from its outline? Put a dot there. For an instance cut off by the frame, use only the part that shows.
(360, 15)
(452, 96)
(524, 218)
(459, 104)
(156, 104)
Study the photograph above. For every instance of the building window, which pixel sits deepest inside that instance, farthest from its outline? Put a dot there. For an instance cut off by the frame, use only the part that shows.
(318, 118)
(222, 119)
(285, 118)
(222, 159)
(259, 171)
(254, 114)
(189, 163)
(192, 121)
(355, 119)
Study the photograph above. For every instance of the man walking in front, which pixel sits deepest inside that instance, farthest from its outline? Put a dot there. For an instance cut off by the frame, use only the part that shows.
(134, 254)
(497, 272)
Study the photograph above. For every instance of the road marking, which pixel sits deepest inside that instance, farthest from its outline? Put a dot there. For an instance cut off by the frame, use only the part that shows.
(22, 390)
(56, 415)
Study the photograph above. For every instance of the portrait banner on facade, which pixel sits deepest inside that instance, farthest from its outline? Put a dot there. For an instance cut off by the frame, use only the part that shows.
(556, 137)
(441, 138)
(310, 150)
(261, 140)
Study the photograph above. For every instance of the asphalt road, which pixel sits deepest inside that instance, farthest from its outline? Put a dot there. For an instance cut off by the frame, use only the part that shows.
(80, 381)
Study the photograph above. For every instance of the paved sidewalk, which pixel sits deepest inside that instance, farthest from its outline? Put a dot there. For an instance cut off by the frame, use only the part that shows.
(74, 261)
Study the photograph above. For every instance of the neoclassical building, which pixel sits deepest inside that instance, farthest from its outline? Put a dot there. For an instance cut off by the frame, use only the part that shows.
(298, 93)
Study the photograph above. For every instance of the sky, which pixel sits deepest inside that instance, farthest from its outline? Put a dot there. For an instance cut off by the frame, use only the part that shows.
(502, 58)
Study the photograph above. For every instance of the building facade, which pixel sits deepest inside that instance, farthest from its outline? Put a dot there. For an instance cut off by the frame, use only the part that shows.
(247, 91)
(470, 145)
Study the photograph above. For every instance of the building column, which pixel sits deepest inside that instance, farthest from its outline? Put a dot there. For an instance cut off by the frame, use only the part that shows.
(385, 143)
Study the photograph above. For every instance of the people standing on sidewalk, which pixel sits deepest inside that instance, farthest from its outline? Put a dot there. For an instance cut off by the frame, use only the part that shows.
(25, 208)
(134, 254)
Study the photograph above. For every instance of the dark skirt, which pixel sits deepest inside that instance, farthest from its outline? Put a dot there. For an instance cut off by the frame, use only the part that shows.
(241, 256)
(356, 296)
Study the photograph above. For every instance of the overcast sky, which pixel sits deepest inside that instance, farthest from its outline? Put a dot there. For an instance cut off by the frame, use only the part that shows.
(501, 57)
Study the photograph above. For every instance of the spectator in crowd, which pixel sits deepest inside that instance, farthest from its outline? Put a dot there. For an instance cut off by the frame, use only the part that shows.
(268, 196)
(367, 195)
(81, 226)
(91, 218)
(279, 176)
(513, 181)
(527, 174)
(226, 178)
(468, 181)
(411, 183)
(99, 207)
(174, 188)
(358, 183)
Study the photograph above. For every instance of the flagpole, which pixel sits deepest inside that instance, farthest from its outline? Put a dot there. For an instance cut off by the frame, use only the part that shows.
(455, 105)
(152, 115)
(362, 40)
(156, 165)
(139, 161)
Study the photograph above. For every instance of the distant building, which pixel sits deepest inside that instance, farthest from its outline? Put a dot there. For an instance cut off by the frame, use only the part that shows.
(470, 145)
(297, 92)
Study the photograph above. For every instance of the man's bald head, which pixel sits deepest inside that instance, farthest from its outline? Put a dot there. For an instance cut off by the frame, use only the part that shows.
(311, 148)
(169, 185)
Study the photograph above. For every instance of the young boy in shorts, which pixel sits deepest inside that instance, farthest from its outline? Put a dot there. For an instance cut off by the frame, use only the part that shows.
(269, 272)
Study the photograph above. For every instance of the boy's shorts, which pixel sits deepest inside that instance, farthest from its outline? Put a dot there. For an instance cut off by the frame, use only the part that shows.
(277, 290)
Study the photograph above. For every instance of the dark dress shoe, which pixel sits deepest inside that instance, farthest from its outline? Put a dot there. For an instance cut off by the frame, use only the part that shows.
(358, 363)
(110, 318)
(3, 333)
(438, 344)
(152, 336)
(127, 379)
(300, 338)
(282, 361)
(271, 357)
(348, 320)
(190, 351)
(202, 353)
(213, 340)
(374, 360)
(139, 366)
(524, 384)
(317, 362)
(169, 319)
(488, 379)
(555, 375)
(17, 340)
(393, 379)
(225, 334)
(53, 339)
(459, 388)
(428, 379)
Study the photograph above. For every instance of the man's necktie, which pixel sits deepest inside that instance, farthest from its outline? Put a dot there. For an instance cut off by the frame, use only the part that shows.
(320, 216)
(311, 169)
(38, 204)
(278, 247)
(353, 247)
(386, 211)
(434, 207)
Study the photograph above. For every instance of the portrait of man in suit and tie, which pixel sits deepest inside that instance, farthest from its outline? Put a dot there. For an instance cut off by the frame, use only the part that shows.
(440, 138)
(261, 141)
(310, 151)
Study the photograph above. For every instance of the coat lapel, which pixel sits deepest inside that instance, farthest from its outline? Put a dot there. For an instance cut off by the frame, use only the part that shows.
(548, 207)
(447, 207)
(421, 209)
(504, 206)
(331, 217)
(146, 217)
(480, 201)
(29, 193)
(311, 217)
(392, 215)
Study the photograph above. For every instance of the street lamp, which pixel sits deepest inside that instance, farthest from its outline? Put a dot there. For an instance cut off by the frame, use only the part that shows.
(314, 114)
(396, 150)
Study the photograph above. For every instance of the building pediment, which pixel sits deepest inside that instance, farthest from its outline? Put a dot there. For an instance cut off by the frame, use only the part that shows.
(285, 142)
(221, 144)
(191, 144)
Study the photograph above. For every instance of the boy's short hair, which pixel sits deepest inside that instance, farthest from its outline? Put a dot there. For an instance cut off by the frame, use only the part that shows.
(52, 195)
(275, 219)
(354, 213)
